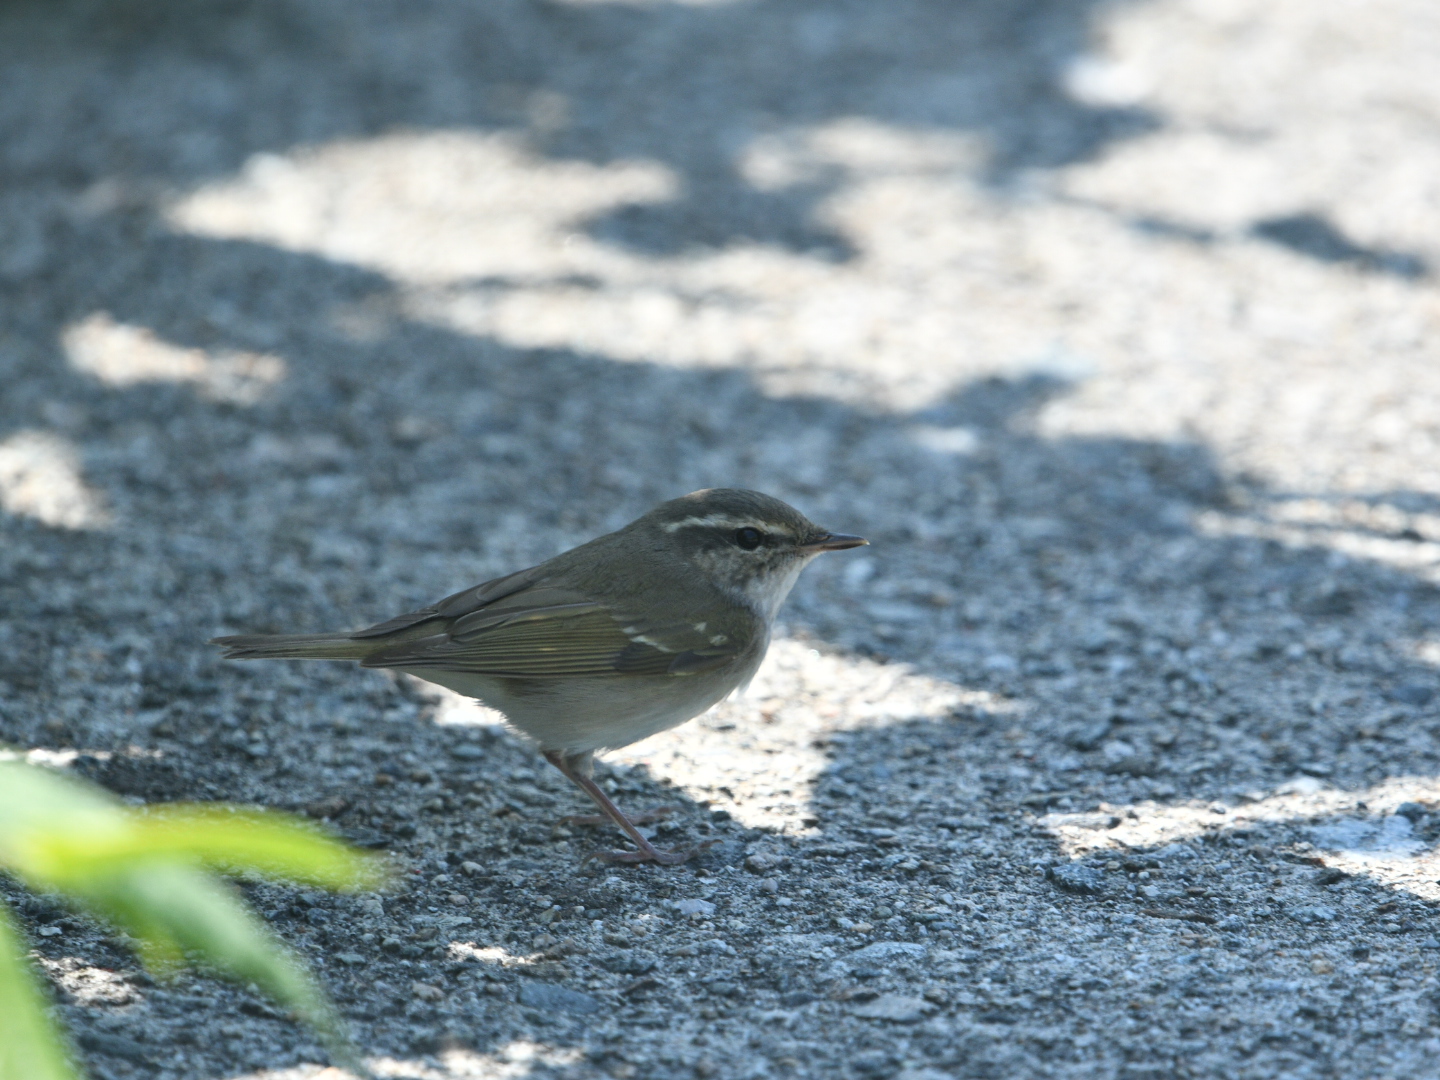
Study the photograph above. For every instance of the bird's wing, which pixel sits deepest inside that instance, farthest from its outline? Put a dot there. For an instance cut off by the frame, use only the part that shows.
(454, 605)
(544, 631)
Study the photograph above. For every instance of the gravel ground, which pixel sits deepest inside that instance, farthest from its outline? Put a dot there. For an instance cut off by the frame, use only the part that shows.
(1112, 325)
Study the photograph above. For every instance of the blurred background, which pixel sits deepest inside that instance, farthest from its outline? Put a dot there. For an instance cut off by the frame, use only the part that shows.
(1113, 325)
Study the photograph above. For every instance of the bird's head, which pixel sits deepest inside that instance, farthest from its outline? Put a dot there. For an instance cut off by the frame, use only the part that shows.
(749, 544)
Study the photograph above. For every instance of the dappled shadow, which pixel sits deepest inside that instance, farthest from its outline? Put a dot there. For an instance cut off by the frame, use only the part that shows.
(1155, 913)
(1138, 657)
(1317, 237)
(689, 86)
(1131, 631)
(1307, 233)
(1148, 659)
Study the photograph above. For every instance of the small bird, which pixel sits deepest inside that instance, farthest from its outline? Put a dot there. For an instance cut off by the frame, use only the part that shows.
(630, 634)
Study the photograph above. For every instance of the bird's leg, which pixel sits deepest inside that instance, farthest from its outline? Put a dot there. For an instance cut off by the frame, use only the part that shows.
(573, 766)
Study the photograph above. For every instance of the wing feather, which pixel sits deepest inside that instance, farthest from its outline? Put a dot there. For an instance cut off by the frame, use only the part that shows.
(551, 632)
(475, 598)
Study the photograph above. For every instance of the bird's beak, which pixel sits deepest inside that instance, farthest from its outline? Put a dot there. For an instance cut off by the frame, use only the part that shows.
(833, 542)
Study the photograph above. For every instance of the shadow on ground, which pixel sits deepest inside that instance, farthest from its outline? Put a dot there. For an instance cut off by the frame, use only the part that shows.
(1130, 638)
(1132, 662)
(686, 85)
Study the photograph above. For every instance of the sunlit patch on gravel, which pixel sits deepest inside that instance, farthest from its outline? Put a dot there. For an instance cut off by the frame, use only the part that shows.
(87, 984)
(122, 355)
(455, 710)
(436, 207)
(1354, 831)
(40, 478)
(484, 237)
(758, 756)
(489, 955)
(55, 759)
(520, 1058)
(1364, 530)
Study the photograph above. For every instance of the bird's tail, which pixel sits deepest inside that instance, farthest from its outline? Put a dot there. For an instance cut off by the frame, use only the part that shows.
(294, 647)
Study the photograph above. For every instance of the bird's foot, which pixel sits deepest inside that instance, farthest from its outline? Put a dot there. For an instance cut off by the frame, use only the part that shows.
(655, 855)
(645, 817)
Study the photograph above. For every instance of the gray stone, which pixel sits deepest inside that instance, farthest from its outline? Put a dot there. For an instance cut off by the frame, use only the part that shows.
(114, 1046)
(1090, 736)
(1277, 986)
(554, 998)
(1416, 694)
(789, 1001)
(629, 963)
(1133, 765)
(1078, 878)
(1175, 851)
(693, 907)
(896, 1008)
(1161, 892)
(888, 950)
(1391, 834)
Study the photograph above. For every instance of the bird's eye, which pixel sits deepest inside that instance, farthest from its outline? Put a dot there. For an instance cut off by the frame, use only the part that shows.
(748, 539)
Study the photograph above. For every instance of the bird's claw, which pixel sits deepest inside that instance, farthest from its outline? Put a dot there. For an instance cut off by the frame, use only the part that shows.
(655, 855)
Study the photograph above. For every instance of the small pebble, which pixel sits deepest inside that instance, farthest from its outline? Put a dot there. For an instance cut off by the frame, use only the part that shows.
(426, 992)
(694, 908)
(1080, 879)
(554, 998)
(896, 1008)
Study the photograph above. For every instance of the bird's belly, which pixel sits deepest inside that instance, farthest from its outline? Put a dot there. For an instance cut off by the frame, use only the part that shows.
(577, 714)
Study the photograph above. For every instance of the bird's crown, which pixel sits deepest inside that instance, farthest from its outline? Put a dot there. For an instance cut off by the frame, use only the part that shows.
(721, 510)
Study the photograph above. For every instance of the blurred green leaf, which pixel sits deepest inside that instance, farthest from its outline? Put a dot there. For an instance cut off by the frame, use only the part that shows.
(30, 1047)
(147, 871)
(225, 838)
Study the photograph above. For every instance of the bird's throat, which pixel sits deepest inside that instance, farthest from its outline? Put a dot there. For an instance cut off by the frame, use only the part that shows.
(764, 593)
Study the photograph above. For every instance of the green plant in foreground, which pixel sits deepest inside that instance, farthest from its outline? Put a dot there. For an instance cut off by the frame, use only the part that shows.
(148, 870)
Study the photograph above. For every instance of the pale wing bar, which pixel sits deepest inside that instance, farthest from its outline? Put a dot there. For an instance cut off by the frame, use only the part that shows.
(572, 639)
